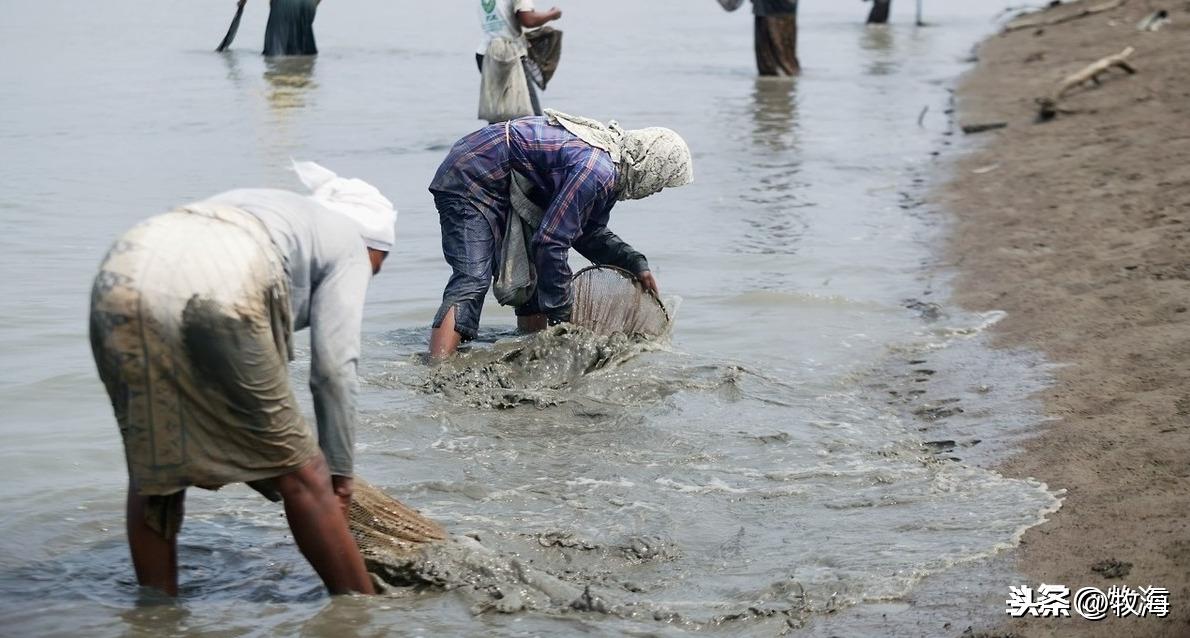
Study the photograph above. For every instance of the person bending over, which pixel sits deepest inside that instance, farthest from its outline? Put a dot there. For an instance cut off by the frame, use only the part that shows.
(577, 169)
(192, 319)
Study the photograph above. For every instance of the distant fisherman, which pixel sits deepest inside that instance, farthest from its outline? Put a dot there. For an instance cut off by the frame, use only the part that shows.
(505, 90)
(776, 37)
(290, 30)
(192, 319)
(577, 169)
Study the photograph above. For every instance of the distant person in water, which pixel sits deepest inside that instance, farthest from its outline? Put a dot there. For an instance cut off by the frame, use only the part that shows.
(192, 320)
(879, 12)
(776, 37)
(578, 169)
(503, 49)
(290, 30)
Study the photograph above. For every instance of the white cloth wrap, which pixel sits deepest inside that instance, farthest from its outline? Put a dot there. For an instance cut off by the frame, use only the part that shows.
(355, 199)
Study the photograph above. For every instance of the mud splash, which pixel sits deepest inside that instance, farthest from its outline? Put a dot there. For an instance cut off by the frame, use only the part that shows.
(558, 573)
(536, 369)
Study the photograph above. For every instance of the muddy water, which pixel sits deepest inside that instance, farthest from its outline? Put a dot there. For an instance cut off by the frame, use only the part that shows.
(763, 470)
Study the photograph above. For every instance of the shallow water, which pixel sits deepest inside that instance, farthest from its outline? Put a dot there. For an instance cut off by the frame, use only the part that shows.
(748, 476)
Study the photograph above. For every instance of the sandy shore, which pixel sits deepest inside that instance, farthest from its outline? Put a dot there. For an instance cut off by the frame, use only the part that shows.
(1079, 228)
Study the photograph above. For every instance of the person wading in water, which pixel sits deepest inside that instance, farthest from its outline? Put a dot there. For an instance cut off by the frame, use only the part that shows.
(192, 319)
(576, 169)
(505, 88)
(290, 29)
(776, 37)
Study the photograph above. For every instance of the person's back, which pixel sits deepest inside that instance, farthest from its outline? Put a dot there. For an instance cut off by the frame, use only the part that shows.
(192, 314)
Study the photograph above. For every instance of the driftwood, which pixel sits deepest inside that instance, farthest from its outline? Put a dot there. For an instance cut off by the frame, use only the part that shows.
(972, 129)
(1023, 23)
(1091, 73)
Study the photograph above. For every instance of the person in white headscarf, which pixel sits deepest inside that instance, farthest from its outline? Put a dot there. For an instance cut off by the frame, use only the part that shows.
(192, 317)
(573, 170)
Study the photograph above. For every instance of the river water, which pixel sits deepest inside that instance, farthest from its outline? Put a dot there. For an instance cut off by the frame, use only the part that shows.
(751, 476)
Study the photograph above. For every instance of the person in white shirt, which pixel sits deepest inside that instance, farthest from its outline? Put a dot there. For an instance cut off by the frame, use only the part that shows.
(504, 22)
(192, 320)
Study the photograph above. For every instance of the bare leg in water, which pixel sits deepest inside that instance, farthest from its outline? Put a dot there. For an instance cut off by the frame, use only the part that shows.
(444, 341)
(315, 517)
(154, 557)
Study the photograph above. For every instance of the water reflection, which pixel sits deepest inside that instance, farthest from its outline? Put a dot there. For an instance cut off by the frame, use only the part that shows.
(291, 81)
(879, 46)
(234, 73)
(155, 615)
(773, 223)
(774, 113)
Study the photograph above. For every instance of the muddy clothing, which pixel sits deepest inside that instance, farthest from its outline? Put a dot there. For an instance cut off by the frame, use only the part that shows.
(290, 29)
(328, 268)
(776, 45)
(774, 7)
(573, 182)
(534, 101)
(191, 319)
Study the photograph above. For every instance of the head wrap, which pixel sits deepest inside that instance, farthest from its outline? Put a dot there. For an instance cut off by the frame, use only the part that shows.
(354, 199)
(648, 159)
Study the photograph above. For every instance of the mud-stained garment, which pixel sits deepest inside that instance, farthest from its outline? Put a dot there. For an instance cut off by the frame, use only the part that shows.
(327, 264)
(192, 315)
(190, 327)
(290, 29)
(534, 101)
(776, 45)
(505, 92)
(573, 182)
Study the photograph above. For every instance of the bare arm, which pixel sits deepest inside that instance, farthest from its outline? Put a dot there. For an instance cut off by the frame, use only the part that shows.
(534, 19)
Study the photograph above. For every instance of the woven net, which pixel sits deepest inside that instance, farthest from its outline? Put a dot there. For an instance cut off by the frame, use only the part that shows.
(609, 300)
(387, 531)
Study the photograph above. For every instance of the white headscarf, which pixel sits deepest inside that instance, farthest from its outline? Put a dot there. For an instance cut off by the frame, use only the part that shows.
(355, 199)
(648, 159)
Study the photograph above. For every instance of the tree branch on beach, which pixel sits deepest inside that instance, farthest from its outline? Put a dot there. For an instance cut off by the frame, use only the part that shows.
(1025, 23)
(1090, 73)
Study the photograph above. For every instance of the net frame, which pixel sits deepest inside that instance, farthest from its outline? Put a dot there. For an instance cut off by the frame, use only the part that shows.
(608, 299)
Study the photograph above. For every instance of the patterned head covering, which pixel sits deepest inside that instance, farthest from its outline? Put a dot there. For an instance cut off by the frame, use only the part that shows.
(647, 159)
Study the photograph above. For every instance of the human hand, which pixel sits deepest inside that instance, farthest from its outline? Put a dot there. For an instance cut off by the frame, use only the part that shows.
(649, 282)
(342, 486)
(555, 13)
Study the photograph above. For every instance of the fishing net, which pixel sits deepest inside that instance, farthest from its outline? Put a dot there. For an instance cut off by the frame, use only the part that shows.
(609, 300)
(387, 531)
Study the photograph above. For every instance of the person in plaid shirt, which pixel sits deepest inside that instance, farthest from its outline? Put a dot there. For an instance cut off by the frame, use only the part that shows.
(578, 168)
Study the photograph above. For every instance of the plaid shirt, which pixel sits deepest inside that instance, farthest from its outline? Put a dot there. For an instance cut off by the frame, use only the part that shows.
(574, 183)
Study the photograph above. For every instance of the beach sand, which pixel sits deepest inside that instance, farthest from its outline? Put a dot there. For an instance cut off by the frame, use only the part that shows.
(1079, 228)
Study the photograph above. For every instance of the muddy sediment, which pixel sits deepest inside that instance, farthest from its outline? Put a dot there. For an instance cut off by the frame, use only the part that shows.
(1079, 229)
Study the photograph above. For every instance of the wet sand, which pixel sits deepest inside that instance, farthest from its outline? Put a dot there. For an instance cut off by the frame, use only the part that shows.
(1079, 228)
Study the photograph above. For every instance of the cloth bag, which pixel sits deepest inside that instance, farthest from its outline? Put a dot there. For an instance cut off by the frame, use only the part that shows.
(516, 280)
(504, 90)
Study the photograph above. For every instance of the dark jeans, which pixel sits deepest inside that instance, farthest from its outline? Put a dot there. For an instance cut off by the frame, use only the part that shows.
(469, 246)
